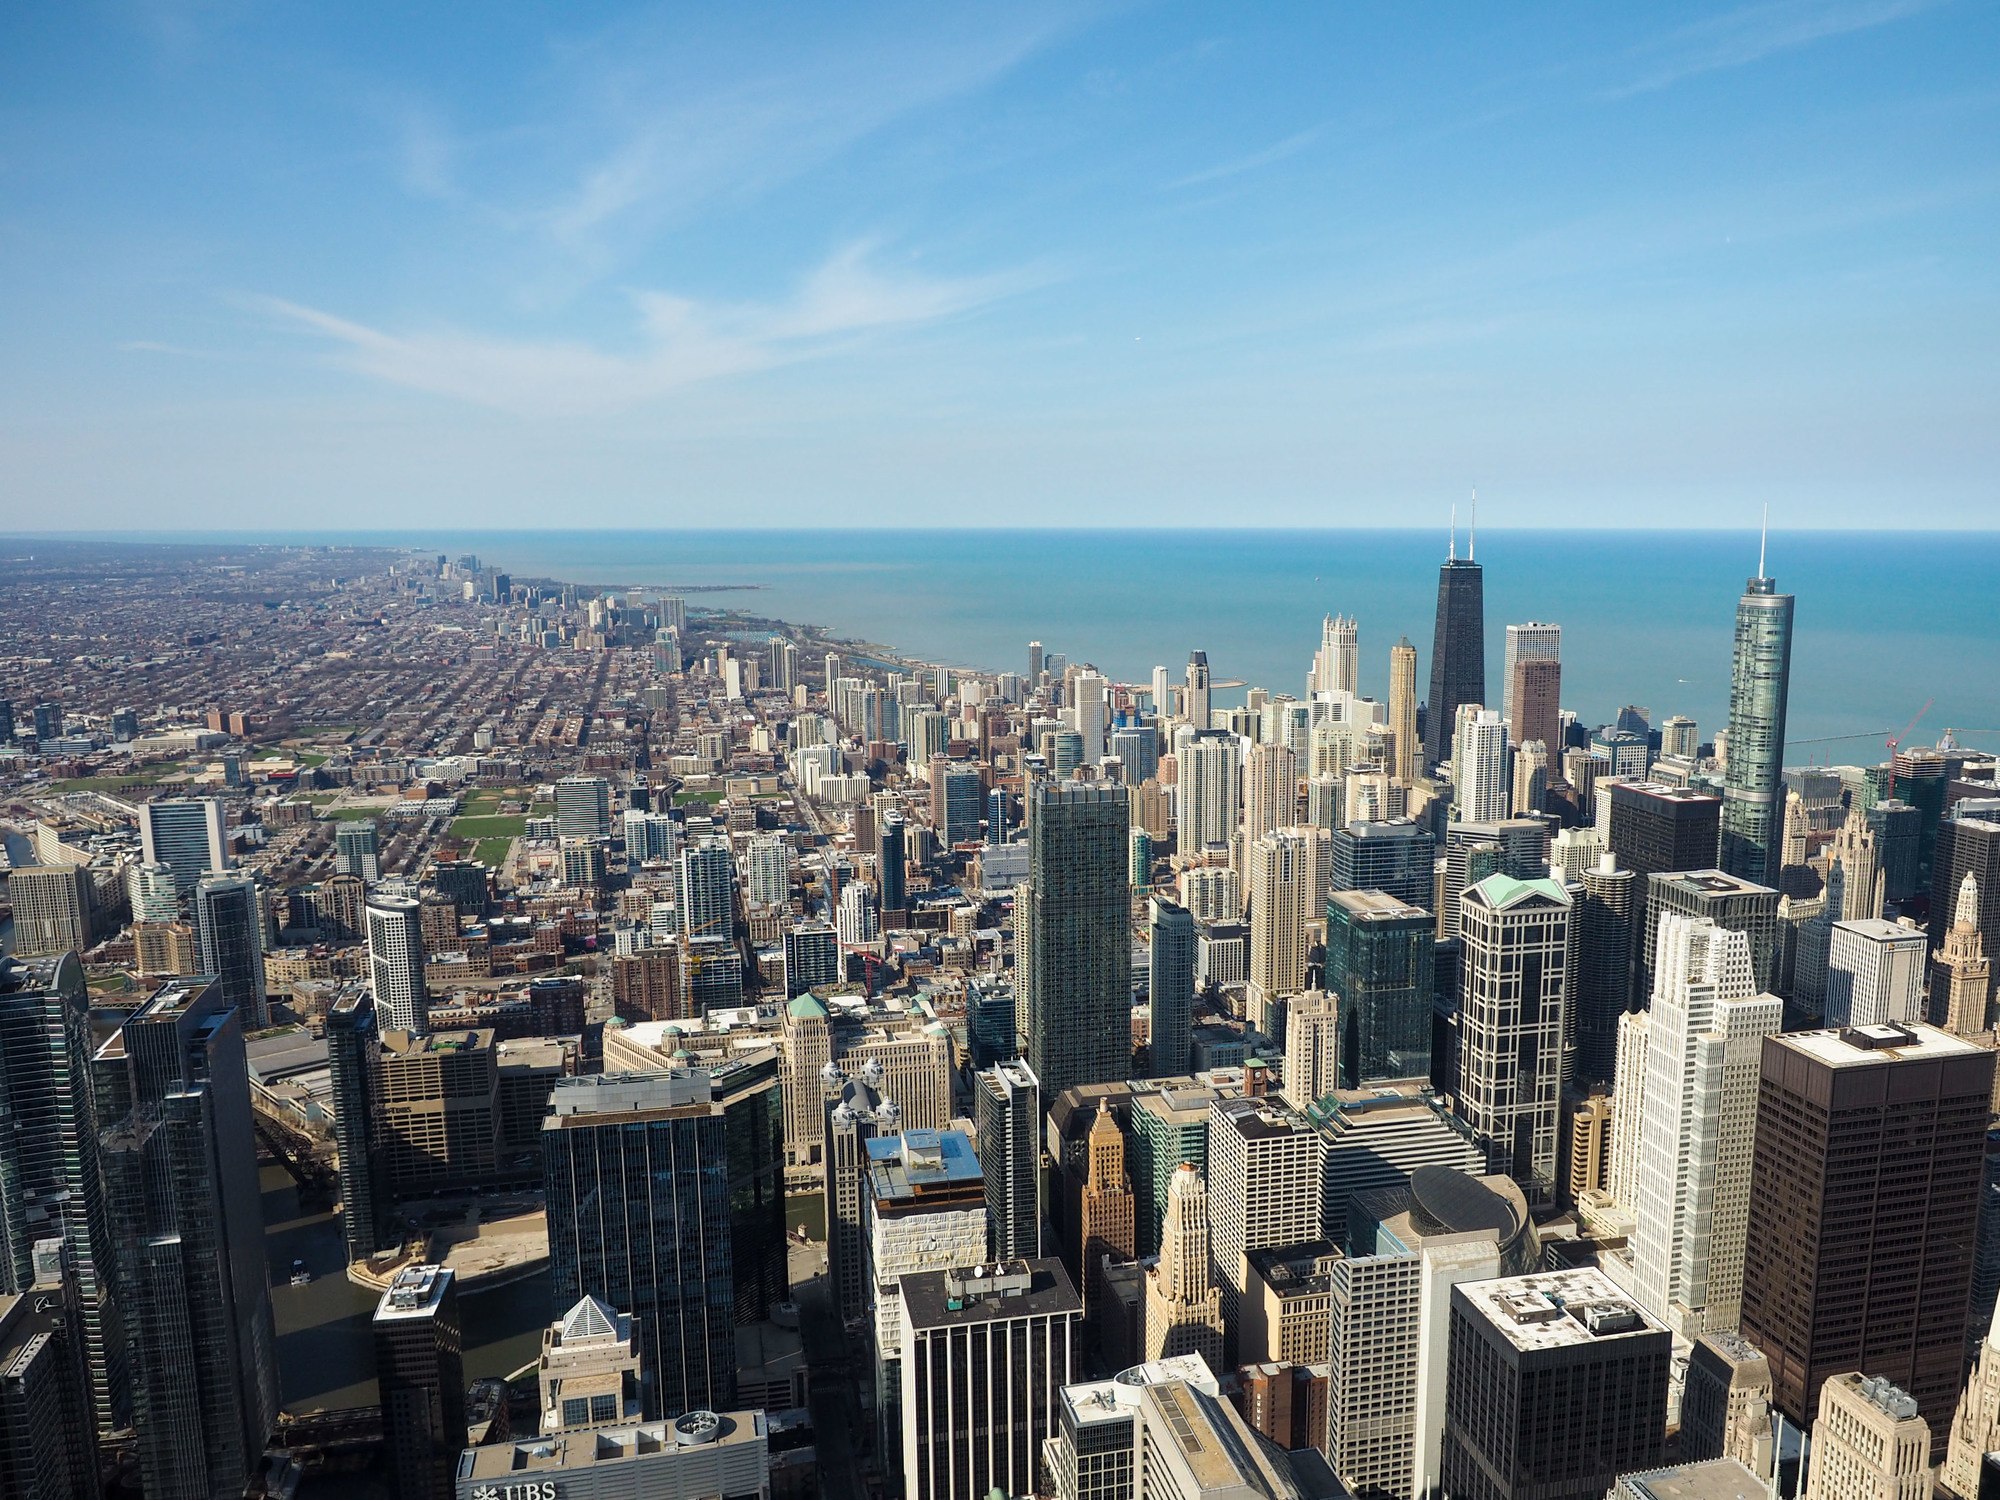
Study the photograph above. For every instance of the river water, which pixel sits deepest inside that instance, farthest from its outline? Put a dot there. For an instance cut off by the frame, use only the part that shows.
(326, 1356)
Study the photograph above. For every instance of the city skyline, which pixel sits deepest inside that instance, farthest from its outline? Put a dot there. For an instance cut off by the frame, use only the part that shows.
(1140, 261)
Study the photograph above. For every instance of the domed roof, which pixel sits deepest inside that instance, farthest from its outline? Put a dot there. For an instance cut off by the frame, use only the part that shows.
(1444, 1200)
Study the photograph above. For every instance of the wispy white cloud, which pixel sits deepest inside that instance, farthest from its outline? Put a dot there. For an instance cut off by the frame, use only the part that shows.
(1291, 145)
(679, 342)
(1741, 37)
(658, 142)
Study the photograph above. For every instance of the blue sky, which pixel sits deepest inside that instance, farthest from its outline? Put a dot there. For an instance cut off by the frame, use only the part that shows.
(272, 265)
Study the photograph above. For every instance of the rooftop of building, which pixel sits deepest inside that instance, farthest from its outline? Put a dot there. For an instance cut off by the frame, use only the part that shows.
(1502, 890)
(1710, 883)
(1093, 1402)
(1708, 1479)
(1377, 906)
(416, 1292)
(988, 1292)
(411, 1044)
(1881, 930)
(572, 1451)
(1261, 1118)
(1870, 1046)
(1296, 1270)
(1662, 791)
(921, 1164)
(1557, 1309)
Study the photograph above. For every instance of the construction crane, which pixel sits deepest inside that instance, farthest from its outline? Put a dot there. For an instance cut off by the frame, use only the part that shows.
(1895, 740)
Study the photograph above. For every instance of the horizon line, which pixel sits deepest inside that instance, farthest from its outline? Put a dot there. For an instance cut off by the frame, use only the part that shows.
(779, 528)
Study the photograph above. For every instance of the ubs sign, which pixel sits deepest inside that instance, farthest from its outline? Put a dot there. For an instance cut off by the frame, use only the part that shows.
(531, 1489)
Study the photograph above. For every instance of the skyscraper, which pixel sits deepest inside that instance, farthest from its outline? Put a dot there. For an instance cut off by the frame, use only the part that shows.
(1196, 707)
(1170, 985)
(184, 833)
(1481, 791)
(396, 962)
(1961, 973)
(46, 1446)
(1512, 987)
(1458, 650)
(1874, 973)
(1656, 829)
(354, 1067)
(1183, 1303)
(990, 1348)
(1210, 789)
(1106, 1224)
(1396, 857)
(49, 1162)
(1867, 1162)
(1531, 684)
(1282, 898)
(1271, 789)
(1379, 961)
(1407, 755)
(421, 1372)
(180, 1168)
(1753, 785)
(1265, 1165)
(1609, 924)
(1007, 1111)
(357, 849)
(1703, 1046)
(891, 863)
(1337, 664)
(708, 890)
(583, 807)
(1073, 921)
(665, 1199)
(1556, 1384)
(51, 909)
(229, 926)
(1868, 1442)
(1533, 641)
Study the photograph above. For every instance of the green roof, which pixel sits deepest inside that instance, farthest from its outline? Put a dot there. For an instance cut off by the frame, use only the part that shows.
(805, 1008)
(1505, 890)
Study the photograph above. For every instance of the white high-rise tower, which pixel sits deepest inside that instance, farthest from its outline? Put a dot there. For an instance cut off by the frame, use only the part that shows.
(1703, 1046)
(1337, 664)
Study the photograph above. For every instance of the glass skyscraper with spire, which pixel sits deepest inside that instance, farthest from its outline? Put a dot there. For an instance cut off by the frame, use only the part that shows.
(1753, 783)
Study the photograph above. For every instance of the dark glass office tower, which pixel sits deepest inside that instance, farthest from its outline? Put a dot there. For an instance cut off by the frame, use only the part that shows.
(890, 864)
(1458, 652)
(50, 1182)
(665, 1200)
(1864, 1188)
(229, 925)
(1170, 985)
(1397, 856)
(1379, 953)
(1007, 1108)
(1753, 781)
(1555, 1385)
(1073, 919)
(1657, 828)
(421, 1372)
(180, 1171)
(1609, 920)
(353, 1048)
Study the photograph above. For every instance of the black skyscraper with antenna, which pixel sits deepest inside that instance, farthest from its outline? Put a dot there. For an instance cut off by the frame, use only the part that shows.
(1458, 649)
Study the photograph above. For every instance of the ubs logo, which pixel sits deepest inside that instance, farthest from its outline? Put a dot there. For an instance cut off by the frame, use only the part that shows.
(532, 1489)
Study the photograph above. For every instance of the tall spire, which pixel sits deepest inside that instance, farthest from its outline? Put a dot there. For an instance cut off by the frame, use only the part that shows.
(1472, 531)
(1763, 536)
(1453, 556)
(1967, 914)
